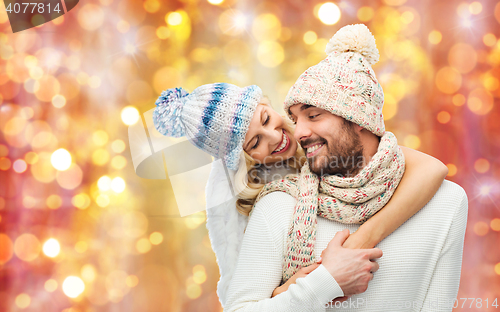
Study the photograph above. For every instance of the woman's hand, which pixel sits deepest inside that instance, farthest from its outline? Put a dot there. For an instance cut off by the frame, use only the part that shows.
(303, 272)
(358, 241)
(340, 299)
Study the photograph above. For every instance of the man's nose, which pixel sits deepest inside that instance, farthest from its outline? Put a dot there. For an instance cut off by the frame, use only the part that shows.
(302, 131)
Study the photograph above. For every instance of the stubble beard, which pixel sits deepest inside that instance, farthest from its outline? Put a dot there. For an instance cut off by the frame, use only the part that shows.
(344, 156)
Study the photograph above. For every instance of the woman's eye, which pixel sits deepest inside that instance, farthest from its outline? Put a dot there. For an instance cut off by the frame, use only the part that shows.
(256, 143)
(313, 116)
(267, 120)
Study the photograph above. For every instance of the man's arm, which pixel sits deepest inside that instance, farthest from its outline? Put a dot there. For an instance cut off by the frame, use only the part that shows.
(445, 280)
(258, 271)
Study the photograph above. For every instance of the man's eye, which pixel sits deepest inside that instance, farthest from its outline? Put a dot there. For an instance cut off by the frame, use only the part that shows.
(313, 116)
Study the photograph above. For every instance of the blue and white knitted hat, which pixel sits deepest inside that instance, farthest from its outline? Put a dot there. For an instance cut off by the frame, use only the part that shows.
(214, 117)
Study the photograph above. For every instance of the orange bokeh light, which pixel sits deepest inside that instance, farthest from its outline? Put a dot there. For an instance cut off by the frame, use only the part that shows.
(7, 249)
(481, 228)
(495, 224)
(482, 165)
(452, 170)
(5, 163)
(443, 117)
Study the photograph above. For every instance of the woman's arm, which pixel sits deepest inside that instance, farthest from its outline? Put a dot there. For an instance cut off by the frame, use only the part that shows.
(422, 178)
(259, 268)
(303, 272)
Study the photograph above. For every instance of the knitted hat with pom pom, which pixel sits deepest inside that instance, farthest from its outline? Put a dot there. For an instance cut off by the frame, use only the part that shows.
(214, 117)
(344, 82)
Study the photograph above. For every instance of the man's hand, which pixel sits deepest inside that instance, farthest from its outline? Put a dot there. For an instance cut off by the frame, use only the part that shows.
(351, 268)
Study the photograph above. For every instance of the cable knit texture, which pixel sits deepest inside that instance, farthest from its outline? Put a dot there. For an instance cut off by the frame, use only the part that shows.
(214, 117)
(419, 270)
(346, 200)
(344, 83)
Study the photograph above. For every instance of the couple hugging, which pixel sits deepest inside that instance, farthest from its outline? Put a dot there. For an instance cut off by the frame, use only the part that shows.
(317, 190)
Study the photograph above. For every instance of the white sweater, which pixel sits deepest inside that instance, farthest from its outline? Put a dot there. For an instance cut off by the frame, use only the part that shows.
(419, 270)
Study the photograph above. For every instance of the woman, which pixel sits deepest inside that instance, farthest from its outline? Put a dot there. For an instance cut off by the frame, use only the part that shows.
(238, 126)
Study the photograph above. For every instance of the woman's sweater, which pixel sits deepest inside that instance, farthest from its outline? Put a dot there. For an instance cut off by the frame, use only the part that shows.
(225, 225)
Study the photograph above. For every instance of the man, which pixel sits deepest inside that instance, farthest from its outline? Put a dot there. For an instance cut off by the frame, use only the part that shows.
(337, 108)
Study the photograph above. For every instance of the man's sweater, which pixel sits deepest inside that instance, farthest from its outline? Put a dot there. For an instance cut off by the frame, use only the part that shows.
(419, 270)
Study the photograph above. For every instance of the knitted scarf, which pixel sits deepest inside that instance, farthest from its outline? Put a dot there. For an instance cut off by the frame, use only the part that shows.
(346, 200)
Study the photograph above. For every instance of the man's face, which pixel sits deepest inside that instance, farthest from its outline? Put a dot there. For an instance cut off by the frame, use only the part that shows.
(331, 143)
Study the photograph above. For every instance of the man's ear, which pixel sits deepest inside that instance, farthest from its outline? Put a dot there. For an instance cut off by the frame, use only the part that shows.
(358, 128)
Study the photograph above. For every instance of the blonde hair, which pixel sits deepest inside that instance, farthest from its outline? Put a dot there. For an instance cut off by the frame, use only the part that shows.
(248, 185)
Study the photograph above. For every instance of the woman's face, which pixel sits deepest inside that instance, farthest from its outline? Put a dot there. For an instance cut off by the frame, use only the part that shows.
(267, 141)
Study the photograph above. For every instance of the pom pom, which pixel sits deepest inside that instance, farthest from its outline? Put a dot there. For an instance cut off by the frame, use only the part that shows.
(354, 38)
(167, 115)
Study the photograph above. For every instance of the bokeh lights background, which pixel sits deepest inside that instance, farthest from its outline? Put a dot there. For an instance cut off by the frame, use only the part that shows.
(80, 231)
